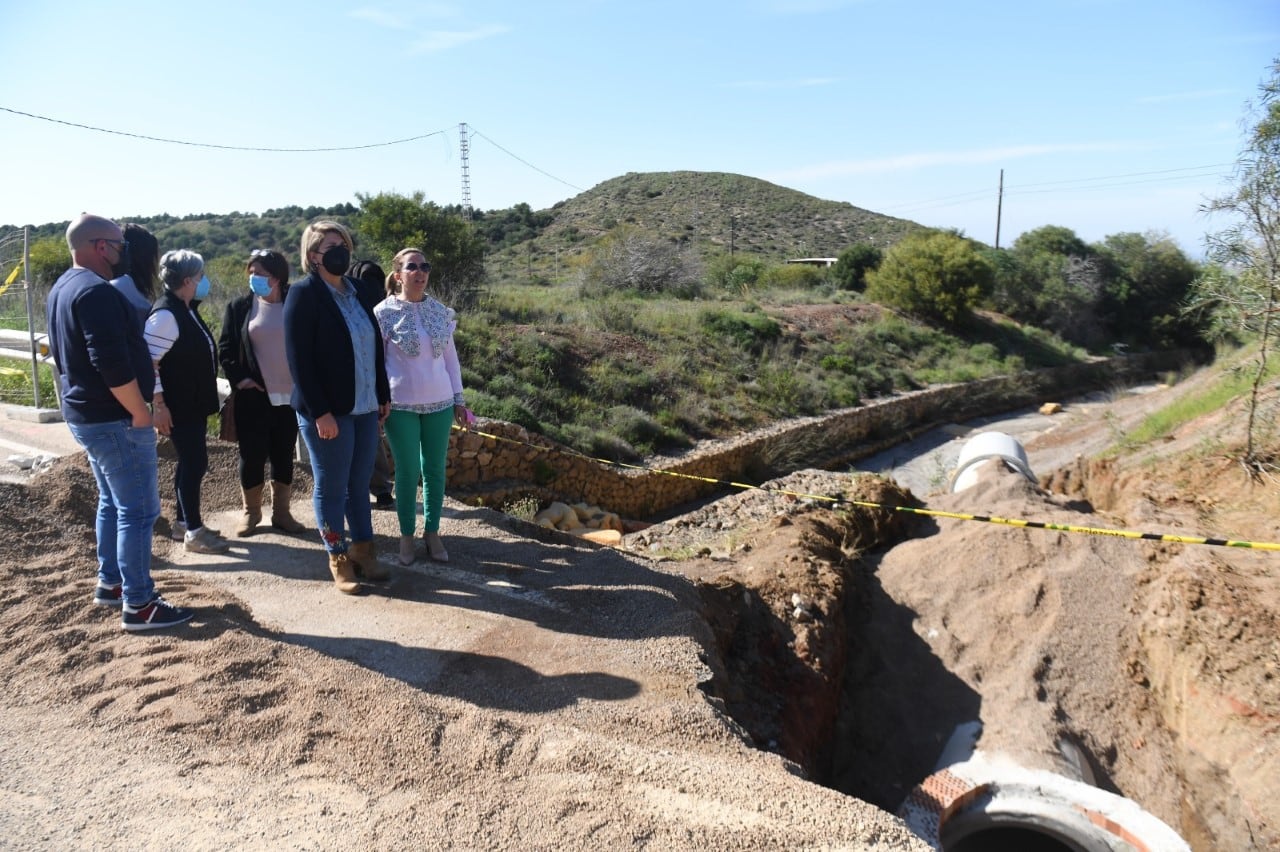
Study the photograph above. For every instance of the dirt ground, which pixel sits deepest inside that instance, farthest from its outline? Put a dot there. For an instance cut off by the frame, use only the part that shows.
(1156, 664)
(768, 671)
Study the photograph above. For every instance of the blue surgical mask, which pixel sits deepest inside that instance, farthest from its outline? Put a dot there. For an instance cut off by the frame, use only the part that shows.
(260, 284)
(202, 289)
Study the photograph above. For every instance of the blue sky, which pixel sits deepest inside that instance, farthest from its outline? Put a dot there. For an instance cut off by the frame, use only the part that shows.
(1106, 116)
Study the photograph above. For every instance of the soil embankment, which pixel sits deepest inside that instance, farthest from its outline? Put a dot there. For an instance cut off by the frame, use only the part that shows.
(539, 691)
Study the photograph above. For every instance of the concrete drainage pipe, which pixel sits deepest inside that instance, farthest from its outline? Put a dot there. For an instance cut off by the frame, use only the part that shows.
(984, 446)
(992, 804)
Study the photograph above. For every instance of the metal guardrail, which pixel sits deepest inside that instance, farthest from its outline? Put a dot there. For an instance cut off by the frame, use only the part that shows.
(21, 344)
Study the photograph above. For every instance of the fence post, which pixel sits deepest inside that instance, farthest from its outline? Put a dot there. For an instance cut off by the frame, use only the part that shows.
(31, 321)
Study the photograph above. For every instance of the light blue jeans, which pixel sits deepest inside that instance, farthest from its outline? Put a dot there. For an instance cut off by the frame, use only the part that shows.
(342, 468)
(123, 460)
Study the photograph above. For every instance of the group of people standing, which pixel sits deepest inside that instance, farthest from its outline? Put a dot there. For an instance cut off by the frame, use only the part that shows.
(328, 357)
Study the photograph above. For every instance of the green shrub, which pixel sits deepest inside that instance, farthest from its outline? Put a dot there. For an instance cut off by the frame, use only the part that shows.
(794, 276)
(747, 330)
(931, 274)
(509, 409)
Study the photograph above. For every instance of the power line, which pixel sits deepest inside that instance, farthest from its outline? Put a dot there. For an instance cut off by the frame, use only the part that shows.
(1112, 185)
(1129, 175)
(1164, 176)
(475, 132)
(221, 147)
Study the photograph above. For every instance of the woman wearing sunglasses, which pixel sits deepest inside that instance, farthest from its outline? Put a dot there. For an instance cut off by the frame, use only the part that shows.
(251, 350)
(426, 396)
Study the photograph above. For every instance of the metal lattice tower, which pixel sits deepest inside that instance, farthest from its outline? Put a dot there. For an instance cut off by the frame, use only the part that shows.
(464, 146)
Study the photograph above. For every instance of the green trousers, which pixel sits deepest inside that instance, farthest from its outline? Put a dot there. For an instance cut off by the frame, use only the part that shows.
(419, 444)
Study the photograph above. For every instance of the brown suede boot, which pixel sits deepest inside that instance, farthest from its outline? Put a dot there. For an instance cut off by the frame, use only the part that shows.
(344, 573)
(366, 561)
(248, 524)
(281, 518)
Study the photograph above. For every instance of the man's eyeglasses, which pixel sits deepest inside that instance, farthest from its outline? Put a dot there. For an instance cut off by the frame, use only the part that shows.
(414, 267)
(119, 244)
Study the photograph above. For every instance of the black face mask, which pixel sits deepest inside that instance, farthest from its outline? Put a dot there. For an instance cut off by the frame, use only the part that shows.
(121, 267)
(336, 259)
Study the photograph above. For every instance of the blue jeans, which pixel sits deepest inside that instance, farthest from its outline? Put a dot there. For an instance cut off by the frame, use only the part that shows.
(123, 460)
(341, 468)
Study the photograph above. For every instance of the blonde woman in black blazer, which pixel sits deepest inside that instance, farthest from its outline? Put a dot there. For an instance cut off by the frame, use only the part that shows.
(341, 394)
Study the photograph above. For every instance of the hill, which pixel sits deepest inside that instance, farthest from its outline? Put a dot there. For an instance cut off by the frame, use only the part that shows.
(711, 212)
(705, 212)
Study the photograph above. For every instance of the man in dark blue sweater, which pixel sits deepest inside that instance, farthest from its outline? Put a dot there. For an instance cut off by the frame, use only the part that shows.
(107, 378)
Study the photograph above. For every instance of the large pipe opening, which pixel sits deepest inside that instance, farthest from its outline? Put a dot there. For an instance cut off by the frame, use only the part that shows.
(1011, 838)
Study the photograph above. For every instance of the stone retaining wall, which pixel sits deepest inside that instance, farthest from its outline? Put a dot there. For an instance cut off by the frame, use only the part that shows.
(516, 464)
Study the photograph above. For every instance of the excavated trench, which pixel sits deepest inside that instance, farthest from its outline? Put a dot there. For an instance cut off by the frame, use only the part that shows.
(821, 664)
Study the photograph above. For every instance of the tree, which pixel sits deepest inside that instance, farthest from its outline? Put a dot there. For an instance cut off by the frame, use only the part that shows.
(1147, 279)
(1240, 292)
(854, 263)
(388, 223)
(932, 274)
(1054, 281)
(50, 257)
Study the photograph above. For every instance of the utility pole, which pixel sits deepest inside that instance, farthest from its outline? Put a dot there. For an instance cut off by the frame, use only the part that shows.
(464, 146)
(999, 207)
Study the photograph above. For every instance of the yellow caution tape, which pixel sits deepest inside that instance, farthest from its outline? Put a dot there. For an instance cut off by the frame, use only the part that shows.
(935, 513)
(13, 276)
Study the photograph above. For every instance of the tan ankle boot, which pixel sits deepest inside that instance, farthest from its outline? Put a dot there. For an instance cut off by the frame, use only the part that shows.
(281, 518)
(435, 547)
(248, 524)
(406, 549)
(366, 561)
(344, 573)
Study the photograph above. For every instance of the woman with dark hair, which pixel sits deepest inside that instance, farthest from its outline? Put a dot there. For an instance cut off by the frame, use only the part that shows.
(251, 350)
(341, 395)
(186, 391)
(142, 260)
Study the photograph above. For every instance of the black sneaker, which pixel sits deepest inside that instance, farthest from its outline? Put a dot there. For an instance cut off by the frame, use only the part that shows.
(109, 595)
(384, 501)
(159, 613)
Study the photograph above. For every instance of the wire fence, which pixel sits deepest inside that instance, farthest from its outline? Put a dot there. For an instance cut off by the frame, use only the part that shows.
(26, 373)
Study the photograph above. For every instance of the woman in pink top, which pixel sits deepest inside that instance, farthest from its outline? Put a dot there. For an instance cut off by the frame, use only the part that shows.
(251, 351)
(426, 395)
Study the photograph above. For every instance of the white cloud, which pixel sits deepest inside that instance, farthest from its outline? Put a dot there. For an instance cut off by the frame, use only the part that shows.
(802, 7)
(380, 18)
(925, 160)
(801, 83)
(390, 21)
(438, 40)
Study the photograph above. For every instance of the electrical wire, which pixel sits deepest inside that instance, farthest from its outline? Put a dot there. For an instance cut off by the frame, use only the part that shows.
(475, 132)
(1062, 186)
(221, 147)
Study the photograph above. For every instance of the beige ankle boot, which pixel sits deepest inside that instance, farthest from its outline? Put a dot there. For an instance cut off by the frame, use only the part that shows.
(366, 561)
(435, 547)
(281, 518)
(406, 549)
(344, 573)
(248, 524)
